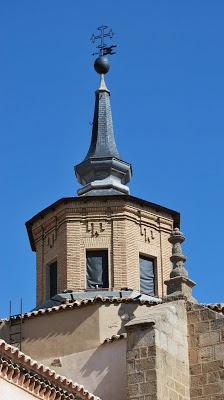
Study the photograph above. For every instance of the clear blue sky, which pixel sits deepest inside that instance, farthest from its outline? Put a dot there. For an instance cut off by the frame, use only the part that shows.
(167, 94)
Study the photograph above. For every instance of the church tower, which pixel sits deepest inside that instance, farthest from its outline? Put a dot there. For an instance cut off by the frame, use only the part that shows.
(104, 239)
(114, 308)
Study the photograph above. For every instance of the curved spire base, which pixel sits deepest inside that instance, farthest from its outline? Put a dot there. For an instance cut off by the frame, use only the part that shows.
(103, 176)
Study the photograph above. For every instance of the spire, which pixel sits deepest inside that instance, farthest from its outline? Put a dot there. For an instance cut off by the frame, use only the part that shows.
(102, 172)
(103, 142)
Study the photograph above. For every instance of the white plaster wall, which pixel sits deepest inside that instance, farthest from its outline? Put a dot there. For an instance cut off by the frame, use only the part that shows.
(102, 370)
(8, 391)
(74, 330)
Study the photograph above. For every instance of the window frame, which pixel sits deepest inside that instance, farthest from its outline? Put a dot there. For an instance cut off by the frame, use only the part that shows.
(48, 282)
(106, 249)
(155, 267)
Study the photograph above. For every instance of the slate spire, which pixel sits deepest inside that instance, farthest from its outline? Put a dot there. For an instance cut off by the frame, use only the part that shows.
(103, 142)
(102, 172)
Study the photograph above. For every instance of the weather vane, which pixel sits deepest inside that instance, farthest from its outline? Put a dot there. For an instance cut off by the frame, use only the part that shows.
(104, 49)
(102, 64)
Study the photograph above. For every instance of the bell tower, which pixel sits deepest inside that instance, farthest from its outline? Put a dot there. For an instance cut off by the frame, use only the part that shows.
(104, 240)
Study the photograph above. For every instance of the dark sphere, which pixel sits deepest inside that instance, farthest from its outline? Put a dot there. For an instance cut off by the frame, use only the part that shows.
(102, 65)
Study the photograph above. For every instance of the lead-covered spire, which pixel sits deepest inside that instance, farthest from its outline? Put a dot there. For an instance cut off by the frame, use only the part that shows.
(103, 142)
(102, 172)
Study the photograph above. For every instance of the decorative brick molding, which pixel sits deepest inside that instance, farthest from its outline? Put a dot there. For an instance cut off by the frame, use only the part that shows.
(95, 228)
(35, 378)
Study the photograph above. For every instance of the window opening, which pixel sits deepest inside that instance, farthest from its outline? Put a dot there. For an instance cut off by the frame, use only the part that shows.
(97, 269)
(53, 275)
(147, 275)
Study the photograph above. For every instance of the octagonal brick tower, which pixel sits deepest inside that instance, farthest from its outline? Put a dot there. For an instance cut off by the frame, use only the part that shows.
(104, 240)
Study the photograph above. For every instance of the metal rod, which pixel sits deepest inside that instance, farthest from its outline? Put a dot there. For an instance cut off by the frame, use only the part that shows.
(10, 308)
(21, 320)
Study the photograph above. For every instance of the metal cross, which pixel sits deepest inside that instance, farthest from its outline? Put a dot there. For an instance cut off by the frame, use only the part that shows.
(103, 48)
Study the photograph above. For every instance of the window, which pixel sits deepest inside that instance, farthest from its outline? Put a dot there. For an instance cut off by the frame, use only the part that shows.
(53, 274)
(147, 275)
(97, 269)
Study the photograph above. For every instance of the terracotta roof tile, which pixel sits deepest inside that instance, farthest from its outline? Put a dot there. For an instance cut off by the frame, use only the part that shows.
(114, 338)
(83, 302)
(36, 377)
(218, 307)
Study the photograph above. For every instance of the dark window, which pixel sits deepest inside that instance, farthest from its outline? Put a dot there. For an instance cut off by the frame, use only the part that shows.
(97, 269)
(147, 275)
(53, 279)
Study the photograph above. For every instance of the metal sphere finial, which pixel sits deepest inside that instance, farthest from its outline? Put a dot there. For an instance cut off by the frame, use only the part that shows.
(102, 65)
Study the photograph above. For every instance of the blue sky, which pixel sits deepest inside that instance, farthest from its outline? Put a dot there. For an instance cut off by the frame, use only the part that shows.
(167, 94)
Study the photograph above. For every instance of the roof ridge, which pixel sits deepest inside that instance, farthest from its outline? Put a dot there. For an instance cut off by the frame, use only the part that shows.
(114, 338)
(85, 301)
(218, 307)
(28, 363)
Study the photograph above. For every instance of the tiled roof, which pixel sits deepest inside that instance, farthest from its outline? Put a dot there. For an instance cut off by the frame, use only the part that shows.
(218, 307)
(36, 378)
(114, 338)
(83, 302)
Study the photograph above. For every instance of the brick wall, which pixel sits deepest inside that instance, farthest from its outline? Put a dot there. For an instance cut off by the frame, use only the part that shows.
(157, 354)
(206, 353)
(124, 228)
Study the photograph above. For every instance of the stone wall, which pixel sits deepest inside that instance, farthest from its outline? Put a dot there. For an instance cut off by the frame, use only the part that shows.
(157, 354)
(124, 228)
(206, 353)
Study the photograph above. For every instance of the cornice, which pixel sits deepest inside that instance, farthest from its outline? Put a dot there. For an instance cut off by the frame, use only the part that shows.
(95, 202)
(126, 213)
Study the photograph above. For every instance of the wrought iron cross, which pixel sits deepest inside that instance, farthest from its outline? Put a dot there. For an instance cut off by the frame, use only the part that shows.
(104, 49)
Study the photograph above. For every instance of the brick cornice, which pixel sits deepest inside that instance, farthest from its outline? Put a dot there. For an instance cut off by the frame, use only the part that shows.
(127, 213)
(117, 204)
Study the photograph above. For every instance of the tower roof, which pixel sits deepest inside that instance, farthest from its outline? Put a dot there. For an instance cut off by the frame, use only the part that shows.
(102, 172)
(103, 141)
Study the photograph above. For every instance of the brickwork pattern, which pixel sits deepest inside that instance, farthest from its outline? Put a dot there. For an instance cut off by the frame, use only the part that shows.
(47, 252)
(206, 353)
(123, 228)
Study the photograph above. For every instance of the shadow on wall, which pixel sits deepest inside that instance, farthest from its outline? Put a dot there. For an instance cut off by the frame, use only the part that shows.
(126, 314)
(105, 371)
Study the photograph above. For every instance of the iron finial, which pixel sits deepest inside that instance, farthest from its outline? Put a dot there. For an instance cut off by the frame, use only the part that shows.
(102, 64)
